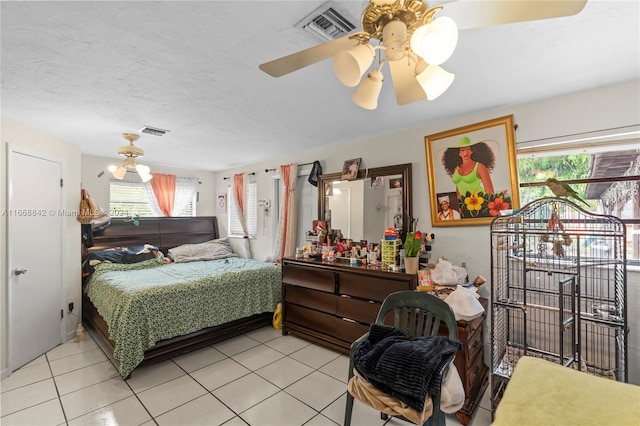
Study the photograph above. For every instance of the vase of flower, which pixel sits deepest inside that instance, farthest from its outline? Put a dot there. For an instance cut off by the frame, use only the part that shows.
(411, 264)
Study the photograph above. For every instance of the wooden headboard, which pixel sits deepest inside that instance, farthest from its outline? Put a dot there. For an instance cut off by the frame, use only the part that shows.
(163, 232)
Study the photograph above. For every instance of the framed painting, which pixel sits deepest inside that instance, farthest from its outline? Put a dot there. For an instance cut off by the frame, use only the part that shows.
(222, 203)
(472, 173)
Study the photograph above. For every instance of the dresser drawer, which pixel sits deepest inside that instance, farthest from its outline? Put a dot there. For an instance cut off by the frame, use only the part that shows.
(473, 346)
(318, 300)
(326, 324)
(474, 372)
(370, 287)
(315, 278)
(358, 310)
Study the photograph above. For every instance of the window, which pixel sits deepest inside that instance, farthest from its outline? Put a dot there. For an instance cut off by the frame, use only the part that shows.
(127, 199)
(251, 211)
(605, 175)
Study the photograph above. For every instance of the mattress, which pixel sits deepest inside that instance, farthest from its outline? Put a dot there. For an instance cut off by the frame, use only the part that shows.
(147, 302)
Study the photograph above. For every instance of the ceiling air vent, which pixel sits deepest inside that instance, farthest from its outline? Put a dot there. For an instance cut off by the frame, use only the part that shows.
(328, 22)
(152, 130)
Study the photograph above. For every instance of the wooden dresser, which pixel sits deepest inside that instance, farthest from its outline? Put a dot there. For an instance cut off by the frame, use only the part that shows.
(332, 304)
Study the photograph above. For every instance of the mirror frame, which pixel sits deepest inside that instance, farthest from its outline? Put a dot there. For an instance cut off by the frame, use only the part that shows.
(397, 169)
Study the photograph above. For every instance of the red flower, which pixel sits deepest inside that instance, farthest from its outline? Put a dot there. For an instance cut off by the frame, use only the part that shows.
(496, 205)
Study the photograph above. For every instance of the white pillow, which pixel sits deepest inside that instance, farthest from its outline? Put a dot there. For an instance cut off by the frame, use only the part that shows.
(209, 250)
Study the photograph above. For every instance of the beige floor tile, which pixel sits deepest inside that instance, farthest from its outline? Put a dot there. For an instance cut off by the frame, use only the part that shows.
(40, 360)
(77, 361)
(314, 356)
(220, 373)
(169, 395)
(45, 414)
(87, 376)
(264, 334)
(338, 368)
(91, 398)
(148, 376)
(321, 420)
(317, 390)
(27, 396)
(245, 392)
(236, 345)
(284, 372)
(26, 376)
(205, 410)
(71, 348)
(197, 359)
(360, 416)
(128, 411)
(279, 409)
(236, 421)
(257, 357)
(287, 344)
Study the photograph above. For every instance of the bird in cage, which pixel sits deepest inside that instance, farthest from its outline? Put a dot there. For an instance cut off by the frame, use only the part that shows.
(561, 189)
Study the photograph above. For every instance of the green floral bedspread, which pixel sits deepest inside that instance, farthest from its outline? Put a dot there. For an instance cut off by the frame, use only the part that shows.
(147, 302)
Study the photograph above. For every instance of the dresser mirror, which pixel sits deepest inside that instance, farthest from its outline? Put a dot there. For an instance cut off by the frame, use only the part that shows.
(362, 208)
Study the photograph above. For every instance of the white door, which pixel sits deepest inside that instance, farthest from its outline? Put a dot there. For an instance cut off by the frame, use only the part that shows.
(34, 232)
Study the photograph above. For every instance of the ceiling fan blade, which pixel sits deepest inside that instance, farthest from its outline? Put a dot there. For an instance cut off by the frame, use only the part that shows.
(477, 14)
(295, 61)
(406, 86)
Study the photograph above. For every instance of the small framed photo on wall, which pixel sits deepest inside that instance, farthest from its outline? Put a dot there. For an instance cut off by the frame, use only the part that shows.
(222, 203)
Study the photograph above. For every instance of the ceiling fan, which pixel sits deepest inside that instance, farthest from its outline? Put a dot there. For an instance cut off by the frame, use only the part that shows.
(413, 39)
(130, 153)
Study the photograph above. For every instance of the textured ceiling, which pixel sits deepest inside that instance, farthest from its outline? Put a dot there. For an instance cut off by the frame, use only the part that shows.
(87, 71)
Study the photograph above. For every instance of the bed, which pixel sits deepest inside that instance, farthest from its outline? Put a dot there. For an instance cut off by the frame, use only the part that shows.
(544, 393)
(150, 310)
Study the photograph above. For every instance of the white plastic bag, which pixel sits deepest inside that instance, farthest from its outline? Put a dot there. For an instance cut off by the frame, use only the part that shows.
(465, 304)
(446, 273)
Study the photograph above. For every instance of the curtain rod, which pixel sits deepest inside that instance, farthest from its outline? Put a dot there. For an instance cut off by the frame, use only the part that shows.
(273, 170)
(248, 174)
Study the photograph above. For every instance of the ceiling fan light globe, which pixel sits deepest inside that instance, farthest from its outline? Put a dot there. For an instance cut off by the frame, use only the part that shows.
(349, 65)
(119, 172)
(434, 81)
(146, 177)
(142, 169)
(435, 42)
(112, 168)
(366, 95)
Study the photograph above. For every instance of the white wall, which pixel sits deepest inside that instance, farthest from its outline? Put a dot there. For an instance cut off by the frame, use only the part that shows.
(98, 187)
(593, 110)
(16, 133)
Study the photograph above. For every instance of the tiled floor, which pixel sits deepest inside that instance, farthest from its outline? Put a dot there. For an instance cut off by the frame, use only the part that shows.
(260, 378)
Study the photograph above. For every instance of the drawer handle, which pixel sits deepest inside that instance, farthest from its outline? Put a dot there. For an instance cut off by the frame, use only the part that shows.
(474, 345)
(476, 370)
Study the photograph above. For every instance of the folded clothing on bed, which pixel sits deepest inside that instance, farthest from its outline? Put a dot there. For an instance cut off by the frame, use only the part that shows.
(123, 255)
(404, 367)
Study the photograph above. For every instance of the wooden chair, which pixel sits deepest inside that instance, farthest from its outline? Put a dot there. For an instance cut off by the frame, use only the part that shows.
(419, 315)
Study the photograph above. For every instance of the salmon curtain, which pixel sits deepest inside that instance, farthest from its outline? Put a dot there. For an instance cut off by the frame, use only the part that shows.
(238, 194)
(164, 188)
(285, 243)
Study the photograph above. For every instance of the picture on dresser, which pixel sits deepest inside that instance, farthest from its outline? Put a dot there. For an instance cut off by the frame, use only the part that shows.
(476, 163)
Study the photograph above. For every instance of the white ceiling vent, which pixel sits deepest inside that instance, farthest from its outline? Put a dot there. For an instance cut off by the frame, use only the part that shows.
(328, 22)
(152, 130)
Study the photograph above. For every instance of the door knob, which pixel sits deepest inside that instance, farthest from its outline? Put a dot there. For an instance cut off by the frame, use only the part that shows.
(19, 271)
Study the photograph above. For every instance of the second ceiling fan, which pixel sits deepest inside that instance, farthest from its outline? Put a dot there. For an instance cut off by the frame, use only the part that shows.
(414, 39)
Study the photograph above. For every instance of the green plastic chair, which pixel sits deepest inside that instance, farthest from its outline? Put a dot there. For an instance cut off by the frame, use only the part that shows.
(419, 315)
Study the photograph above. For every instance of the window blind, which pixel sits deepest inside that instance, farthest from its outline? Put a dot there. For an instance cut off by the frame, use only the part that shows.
(251, 212)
